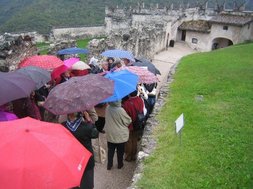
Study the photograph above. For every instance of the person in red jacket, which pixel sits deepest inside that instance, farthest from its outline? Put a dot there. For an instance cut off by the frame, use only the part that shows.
(132, 106)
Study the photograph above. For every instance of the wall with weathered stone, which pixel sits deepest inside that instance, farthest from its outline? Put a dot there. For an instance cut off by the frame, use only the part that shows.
(233, 32)
(246, 33)
(78, 32)
(202, 41)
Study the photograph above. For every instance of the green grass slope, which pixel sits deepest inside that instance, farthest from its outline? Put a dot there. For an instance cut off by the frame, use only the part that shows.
(215, 92)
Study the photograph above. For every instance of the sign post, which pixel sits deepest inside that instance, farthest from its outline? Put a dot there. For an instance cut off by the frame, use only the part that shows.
(179, 125)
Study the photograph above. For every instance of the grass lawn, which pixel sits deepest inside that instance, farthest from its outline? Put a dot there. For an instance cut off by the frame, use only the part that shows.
(215, 92)
(43, 47)
(83, 43)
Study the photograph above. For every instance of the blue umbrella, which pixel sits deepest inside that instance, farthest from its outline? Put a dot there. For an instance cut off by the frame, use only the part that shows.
(125, 82)
(73, 50)
(118, 54)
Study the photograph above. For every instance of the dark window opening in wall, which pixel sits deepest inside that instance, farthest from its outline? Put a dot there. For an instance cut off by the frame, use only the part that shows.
(194, 40)
(225, 27)
(248, 26)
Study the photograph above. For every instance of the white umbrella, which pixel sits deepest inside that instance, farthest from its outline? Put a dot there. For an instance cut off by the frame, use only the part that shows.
(80, 65)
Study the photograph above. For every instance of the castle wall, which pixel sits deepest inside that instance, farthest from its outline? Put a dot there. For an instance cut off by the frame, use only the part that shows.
(233, 33)
(80, 32)
(246, 33)
(198, 41)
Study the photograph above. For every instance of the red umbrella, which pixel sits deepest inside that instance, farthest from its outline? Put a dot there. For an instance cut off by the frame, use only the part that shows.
(36, 154)
(63, 68)
(56, 73)
(48, 62)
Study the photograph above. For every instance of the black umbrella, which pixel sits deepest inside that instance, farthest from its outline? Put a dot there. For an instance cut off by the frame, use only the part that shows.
(142, 62)
(39, 75)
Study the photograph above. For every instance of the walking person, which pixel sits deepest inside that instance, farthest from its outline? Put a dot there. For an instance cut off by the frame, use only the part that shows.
(83, 132)
(117, 133)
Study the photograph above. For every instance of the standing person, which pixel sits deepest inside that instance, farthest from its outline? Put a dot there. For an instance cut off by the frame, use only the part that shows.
(132, 105)
(110, 61)
(127, 62)
(116, 128)
(83, 132)
(151, 91)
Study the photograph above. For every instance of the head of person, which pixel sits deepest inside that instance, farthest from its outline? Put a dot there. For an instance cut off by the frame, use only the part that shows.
(110, 60)
(115, 103)
(66, 74)
(73, 116)
(105, 65)
(117, 64)
(126, 61)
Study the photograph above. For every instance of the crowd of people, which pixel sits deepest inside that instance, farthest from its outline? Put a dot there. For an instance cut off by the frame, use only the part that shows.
(114, 119)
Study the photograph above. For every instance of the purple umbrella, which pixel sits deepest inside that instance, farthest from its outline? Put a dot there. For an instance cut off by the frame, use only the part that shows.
(7, 116)
(78, 94)
(14, 85)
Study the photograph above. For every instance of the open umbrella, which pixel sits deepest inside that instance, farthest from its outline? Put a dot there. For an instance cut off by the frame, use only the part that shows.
(78, 94)
(125, 82)
(119, 54)
(73, 50)
(69, 62)
(14, 85)
(80, 65)
(36, 154)
(63, 68)
(38, 75)
(7, 116)
(145, 76)
(56, 73)
(48, 62)
(142, 62)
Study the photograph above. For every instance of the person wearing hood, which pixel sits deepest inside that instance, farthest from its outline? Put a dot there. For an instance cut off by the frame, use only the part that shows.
(117, 133)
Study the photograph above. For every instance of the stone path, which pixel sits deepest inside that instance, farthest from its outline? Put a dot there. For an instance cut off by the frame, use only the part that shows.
(121, 179)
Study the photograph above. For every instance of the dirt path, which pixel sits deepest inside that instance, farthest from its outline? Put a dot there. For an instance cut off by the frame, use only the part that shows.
(121, 179)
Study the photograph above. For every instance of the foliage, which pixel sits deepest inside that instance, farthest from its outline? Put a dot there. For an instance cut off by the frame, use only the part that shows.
(43, 47)
(42, 15)
(83, 43)
(214, 91)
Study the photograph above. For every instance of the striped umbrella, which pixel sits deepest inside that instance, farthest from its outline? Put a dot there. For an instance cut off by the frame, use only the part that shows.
(145, 76)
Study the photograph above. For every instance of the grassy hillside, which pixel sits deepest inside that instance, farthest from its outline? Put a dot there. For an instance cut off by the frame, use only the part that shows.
(215, 92)
(42, 15)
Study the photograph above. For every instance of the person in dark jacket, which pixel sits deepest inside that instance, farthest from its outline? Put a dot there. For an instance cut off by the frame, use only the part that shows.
(83, 132)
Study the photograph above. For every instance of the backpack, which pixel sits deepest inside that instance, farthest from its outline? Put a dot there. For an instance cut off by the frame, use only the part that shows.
(140, 121)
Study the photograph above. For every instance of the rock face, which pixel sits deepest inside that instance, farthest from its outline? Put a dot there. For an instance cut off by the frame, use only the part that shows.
(13, 49)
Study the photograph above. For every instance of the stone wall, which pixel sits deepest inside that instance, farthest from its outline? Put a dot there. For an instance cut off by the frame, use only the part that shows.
(59, 34)
(13, 49)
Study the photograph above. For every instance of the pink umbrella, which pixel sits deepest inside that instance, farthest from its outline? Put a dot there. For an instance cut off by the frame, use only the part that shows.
(145, 76)
(48, 62)
(69, 62)
(7, 116)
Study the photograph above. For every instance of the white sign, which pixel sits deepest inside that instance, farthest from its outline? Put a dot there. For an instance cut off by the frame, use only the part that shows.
(179, 123)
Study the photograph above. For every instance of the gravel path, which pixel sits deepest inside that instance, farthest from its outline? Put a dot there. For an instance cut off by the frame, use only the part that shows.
(121, 179)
